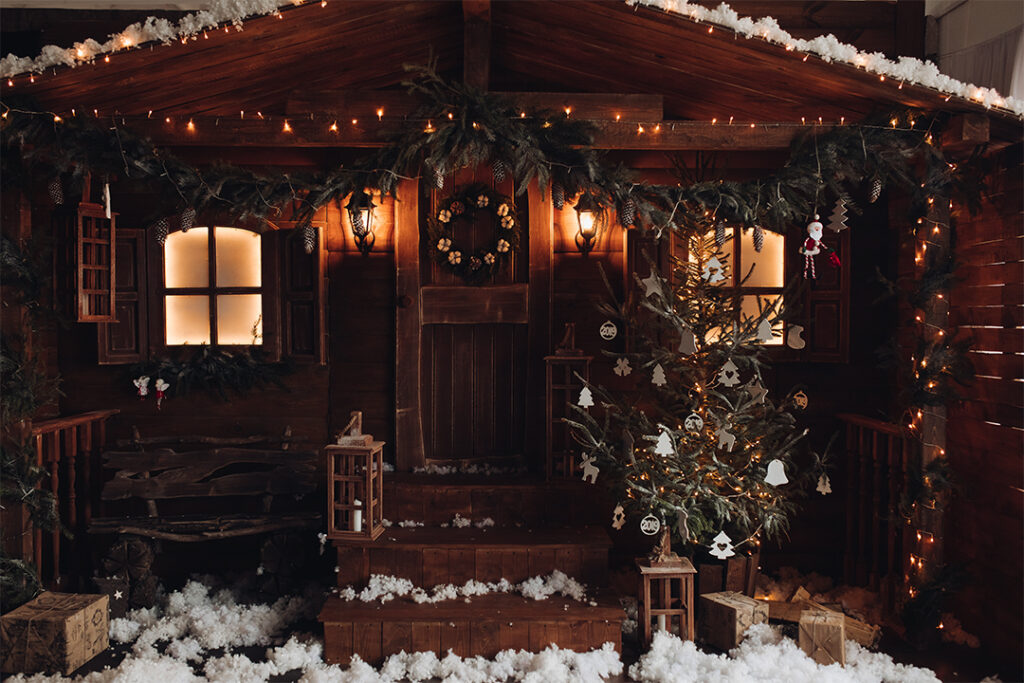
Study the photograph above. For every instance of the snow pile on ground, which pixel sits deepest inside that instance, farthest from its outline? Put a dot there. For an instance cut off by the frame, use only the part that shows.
(458, 522)
(766, 657)
(485, 469)
(383, 588)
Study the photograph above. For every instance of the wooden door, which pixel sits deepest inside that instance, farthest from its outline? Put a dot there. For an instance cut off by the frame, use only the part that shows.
(469, 358)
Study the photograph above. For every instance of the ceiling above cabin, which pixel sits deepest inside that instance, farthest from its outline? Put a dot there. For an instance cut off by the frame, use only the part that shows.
(535, 45)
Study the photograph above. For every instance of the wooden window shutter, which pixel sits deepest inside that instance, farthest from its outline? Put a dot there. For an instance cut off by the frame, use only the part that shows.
(95, 241)
(303, 297)
(126, 340)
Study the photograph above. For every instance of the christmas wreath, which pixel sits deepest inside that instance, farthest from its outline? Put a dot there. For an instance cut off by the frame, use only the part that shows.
(478, 266)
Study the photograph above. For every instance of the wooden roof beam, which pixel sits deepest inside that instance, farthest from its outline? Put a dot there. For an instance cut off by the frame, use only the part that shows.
(964, 133)
(476, 43)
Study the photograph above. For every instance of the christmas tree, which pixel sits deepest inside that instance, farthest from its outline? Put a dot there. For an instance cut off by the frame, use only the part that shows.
(694, 450)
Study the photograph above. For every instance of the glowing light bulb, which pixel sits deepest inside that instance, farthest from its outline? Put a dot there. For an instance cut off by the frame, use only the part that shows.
(334, 127)
(286, 128)
(380, 113)
(190, 125)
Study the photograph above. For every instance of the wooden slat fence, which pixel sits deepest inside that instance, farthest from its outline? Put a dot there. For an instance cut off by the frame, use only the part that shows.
(878, 457)
(68, 448)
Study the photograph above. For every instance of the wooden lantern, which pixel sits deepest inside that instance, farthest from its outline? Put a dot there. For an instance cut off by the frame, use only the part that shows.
(562, 388)
(355, 486)
(666, 598)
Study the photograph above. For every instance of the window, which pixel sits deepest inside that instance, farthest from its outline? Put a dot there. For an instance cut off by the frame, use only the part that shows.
(213, 287)
(767, 279)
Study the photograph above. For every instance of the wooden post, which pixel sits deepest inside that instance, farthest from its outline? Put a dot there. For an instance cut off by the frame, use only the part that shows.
(540, 298)
(409, 451)
(476, 43)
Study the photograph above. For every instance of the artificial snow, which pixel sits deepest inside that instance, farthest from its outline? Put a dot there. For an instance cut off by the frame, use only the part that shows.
(766, 657)
(383, 589)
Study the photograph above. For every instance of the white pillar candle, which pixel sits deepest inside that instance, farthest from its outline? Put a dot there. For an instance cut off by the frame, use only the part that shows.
(357, 516)
(662, 623)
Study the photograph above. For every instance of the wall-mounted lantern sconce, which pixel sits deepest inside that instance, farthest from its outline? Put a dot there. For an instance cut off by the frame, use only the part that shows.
(591, 218)
(360, 215)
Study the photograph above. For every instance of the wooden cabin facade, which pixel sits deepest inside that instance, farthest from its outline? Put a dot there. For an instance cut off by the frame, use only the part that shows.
(447, 373)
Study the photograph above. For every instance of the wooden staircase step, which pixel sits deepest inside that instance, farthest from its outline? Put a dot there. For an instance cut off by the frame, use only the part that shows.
(484, 626)
(515, 500)
(430, 556)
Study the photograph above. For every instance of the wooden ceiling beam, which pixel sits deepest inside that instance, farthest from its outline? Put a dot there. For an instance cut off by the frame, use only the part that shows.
(476, 43)
(369, 132)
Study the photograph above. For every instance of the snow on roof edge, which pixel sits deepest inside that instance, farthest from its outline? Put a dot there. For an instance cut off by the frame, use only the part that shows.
(828, 48)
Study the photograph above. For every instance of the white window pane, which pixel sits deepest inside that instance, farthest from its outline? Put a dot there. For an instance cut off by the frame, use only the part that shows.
(187, 259)
(240, 319)
(724, 255)
(238, 258)
(749, 309)
(769, 264)
(187, 319)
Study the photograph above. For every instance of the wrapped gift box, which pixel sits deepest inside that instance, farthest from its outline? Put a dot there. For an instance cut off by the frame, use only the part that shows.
(823, 636)
(54, 633)
(725, 616)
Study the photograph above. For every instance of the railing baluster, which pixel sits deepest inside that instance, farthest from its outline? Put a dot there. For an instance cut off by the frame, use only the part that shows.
(849, 568)
(876, 511)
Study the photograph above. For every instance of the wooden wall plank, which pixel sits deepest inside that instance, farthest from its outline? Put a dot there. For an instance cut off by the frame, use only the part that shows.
(426, 637)
(366, 641)
(338, 643)
(396, 636)
(455, 637)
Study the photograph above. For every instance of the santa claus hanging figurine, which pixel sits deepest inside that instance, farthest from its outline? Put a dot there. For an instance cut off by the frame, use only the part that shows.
(813, 246)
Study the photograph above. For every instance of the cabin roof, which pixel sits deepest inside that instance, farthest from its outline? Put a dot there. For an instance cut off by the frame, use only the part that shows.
(535, 45)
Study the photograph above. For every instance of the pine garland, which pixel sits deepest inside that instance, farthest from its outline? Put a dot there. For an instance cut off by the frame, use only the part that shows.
(215, 370)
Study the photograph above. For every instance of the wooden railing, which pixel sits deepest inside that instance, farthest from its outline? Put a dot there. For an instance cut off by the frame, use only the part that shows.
(879, 456)
(68, 448)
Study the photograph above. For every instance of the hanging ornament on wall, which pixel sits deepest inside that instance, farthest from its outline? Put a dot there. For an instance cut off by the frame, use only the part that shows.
(142, 386)
(811, 247)
(824, 485)
(586, 399)
(693, 423)
(726, 439)
(106, 200)
(627, 214)
(721, 546)
(309, 238)
(590, 470)
(837, 221)
(608, 330)
(758, 238)
(658, 376)
(622, 367)
(187, 219)
(160, 231)
(712, 272)
(499, 169)
(729, 375)
(618, 517)
(876, 189)
(720, 234)
(764, 330)
(650, 525)
(756, 391)
(664, 446)
(56, 191)
(688, 342)
(161, 391)
(557, 196)
(800, 400)
(793, 338)
(776, 475)
(651, 284)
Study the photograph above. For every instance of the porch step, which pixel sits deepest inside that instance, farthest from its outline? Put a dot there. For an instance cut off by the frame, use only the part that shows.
(511, 500)
(430, 556)
(484, 626)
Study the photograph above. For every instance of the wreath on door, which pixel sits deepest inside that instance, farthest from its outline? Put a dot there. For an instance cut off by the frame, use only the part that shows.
(480, 265)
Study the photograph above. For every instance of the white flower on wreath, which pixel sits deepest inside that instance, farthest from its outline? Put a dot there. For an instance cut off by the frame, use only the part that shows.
(502, 210)
(455, 258)
(503, 246)
(444, 215)
(489, 258)
(483, 200)
(507, 222)
(444, 244)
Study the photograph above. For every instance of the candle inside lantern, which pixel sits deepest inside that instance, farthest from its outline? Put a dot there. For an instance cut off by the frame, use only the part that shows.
(357, 516)
(662, 623)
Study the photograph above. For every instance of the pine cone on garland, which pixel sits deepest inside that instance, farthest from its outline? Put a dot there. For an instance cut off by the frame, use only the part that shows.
(500, 170)
(56, 190)
(160, 231)
(627, 214)
(758, 238)
(309, 238)
(558, 196)
(876, 190)
(187, 219)
(720, 234)
(438, 178)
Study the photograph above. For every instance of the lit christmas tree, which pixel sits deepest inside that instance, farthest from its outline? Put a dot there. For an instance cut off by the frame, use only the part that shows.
(713, 410)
